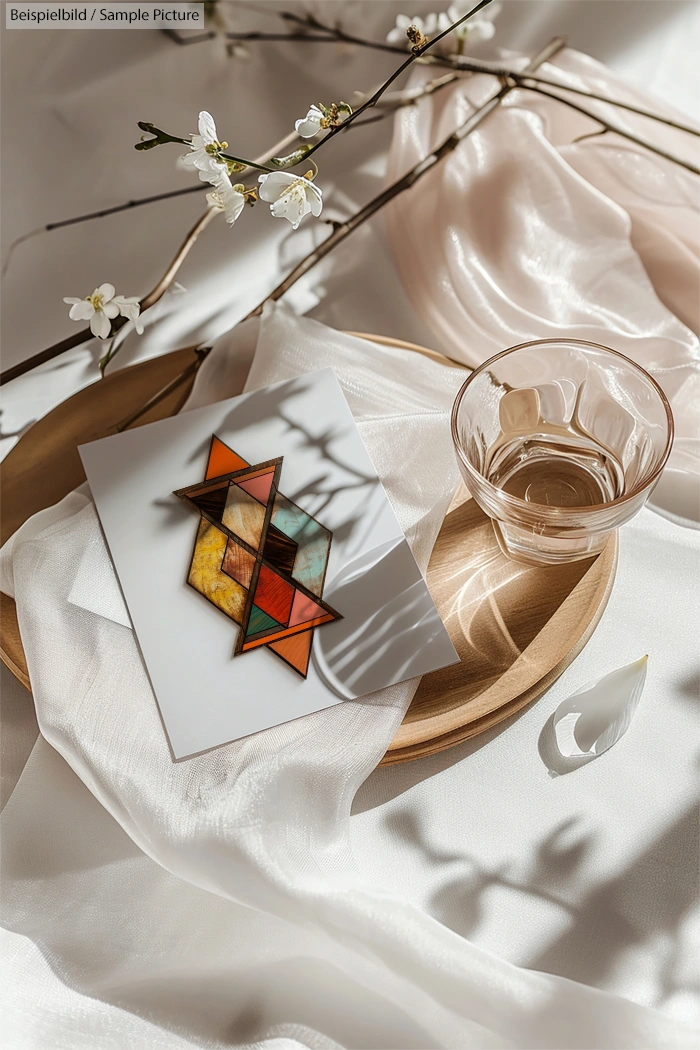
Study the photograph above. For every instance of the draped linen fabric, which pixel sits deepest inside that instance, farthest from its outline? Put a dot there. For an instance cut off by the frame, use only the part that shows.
(256, 911)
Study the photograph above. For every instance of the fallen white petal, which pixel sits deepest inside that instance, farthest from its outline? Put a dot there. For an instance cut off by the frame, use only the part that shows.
(595, 717)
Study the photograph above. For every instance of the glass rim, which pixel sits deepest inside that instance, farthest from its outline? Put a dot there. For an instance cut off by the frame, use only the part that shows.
(557, 513)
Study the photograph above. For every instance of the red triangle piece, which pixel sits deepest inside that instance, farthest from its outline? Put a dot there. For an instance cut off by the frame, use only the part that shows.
(259, 488)
(304, 609)
(222, 460)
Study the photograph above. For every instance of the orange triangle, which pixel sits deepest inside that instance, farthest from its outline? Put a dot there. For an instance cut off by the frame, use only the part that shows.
(222, 460)
(295, 650)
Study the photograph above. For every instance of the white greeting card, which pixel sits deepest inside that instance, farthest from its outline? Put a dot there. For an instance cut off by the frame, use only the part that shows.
(264, 570)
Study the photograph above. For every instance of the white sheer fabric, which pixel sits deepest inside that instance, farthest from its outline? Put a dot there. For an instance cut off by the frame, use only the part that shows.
(261, 824)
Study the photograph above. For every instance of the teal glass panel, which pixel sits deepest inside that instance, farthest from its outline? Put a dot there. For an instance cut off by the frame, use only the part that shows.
(312, 539)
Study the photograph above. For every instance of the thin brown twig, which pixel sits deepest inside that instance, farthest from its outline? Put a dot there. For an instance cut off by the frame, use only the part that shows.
(590, 135)
(408, 98)
(340, 35)
(335, 36)
(613, 128)
(202, 352)
(183, 41)
(261, 36)
(413, 95)
(609, 101)
(166, 280)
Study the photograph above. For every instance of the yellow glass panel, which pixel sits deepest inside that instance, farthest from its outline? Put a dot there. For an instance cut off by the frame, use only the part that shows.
(206, 575)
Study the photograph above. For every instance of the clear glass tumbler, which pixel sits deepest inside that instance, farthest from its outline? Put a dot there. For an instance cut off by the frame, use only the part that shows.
(560, 442)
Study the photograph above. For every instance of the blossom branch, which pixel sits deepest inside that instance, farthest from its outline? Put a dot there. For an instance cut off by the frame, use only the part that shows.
(340, 233)
(343, 230)
(417, 52)
(337, 35)
(523, 80)
(390, 104)
(332, 122)
(137, 203)
(420, 48)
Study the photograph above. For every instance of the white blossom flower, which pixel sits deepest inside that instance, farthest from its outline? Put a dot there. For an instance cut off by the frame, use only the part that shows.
(99, 309)
(310, 125)
(228, 199)
(130, 307)
(290, 196)
(475, 29)
(427, 27)
(205, 149)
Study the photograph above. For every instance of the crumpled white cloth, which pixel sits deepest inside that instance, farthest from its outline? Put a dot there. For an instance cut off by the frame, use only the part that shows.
(268, 935)
(522, 233)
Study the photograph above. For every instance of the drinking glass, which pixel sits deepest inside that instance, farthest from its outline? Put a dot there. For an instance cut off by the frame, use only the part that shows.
(560, 442)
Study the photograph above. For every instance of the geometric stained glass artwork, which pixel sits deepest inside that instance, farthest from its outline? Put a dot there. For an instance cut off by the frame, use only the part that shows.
(262, 565)
(258, 557)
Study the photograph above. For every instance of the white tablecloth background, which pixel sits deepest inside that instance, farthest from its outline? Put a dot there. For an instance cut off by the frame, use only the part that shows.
(592, 875)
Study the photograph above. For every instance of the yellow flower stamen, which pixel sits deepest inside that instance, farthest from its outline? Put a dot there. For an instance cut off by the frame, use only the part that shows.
(97, 301)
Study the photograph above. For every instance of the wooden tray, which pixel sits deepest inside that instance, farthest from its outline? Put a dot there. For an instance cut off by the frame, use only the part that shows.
(515, 627)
